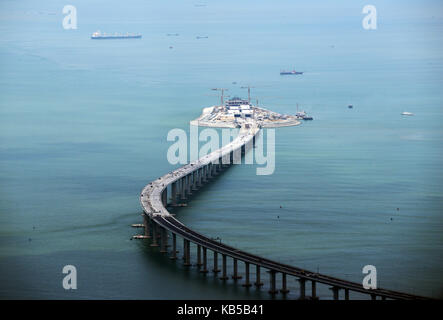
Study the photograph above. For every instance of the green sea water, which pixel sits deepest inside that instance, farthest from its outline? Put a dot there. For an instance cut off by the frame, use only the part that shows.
(83, 127)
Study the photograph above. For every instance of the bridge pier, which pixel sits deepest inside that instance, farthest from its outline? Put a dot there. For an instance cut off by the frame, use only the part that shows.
(373, 297)
(346, 294)
(257, 283)
(174, 194)
(199, 256)
(205, 262)
(272, 290)
(247, 283)
(224, 275)
(204, 180)
(147, 226)
(200, 177)
(154, 235)
(187, 247)
(197, 179)
(194, 181)
(335, 291)
(183, 188)
(214, 169)
(215, 269)
(302, 282)
(163, 240)
(184, 250)
(174, 247)
(284, 288)
(189, 184)
(235, 276)
(314, 290)
(165, 197)
(209, 170)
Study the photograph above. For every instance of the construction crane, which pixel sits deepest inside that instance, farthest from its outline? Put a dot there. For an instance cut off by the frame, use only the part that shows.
(222, 94)
(249, 92)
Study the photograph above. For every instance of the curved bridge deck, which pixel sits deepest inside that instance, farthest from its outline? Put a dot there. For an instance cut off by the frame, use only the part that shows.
(183, 181)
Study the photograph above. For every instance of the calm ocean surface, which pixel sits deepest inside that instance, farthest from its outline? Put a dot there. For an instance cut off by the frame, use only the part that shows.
(83, 128)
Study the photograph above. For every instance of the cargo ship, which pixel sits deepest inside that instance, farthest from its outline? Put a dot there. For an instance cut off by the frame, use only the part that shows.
(302, 115)
(290, 72)
(99, 36)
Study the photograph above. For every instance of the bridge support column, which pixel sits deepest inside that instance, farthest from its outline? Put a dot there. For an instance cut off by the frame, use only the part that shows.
(187, 246)
(183, 188)
(314, 290)
(284, 288)
(165, 197)
(235, 276)
(346, 294)
(154, 235)
(224, 276)
(214, 169)
(373, 297)
(197, 184)
(194, 180)
(189, 184)
(199, 255)
(184, 249)
(205, 262)
(302, 288)
(272, 290)
(215, 269)
(174, 193)
(204, 180)
(247, 283)
(200, 174)
(257, 283)
(335, 291)
(209, 170)
(174, 246)
(163, 240)
(147, 226)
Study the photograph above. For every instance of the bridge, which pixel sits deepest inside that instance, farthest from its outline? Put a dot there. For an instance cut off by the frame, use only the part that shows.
(161, 227)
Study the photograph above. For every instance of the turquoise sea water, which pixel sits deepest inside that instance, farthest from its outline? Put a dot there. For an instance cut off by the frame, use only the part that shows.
(83, 128)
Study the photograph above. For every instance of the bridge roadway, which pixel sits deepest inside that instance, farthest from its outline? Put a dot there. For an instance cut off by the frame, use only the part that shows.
(186, 179)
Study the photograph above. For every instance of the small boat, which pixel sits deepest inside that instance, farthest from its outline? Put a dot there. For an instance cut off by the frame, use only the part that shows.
(302, 115)
(282, 73)
(407, 113)
(350, 106)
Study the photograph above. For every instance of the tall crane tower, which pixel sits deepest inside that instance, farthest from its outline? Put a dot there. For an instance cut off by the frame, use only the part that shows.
(249, 92)
(222, 94)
